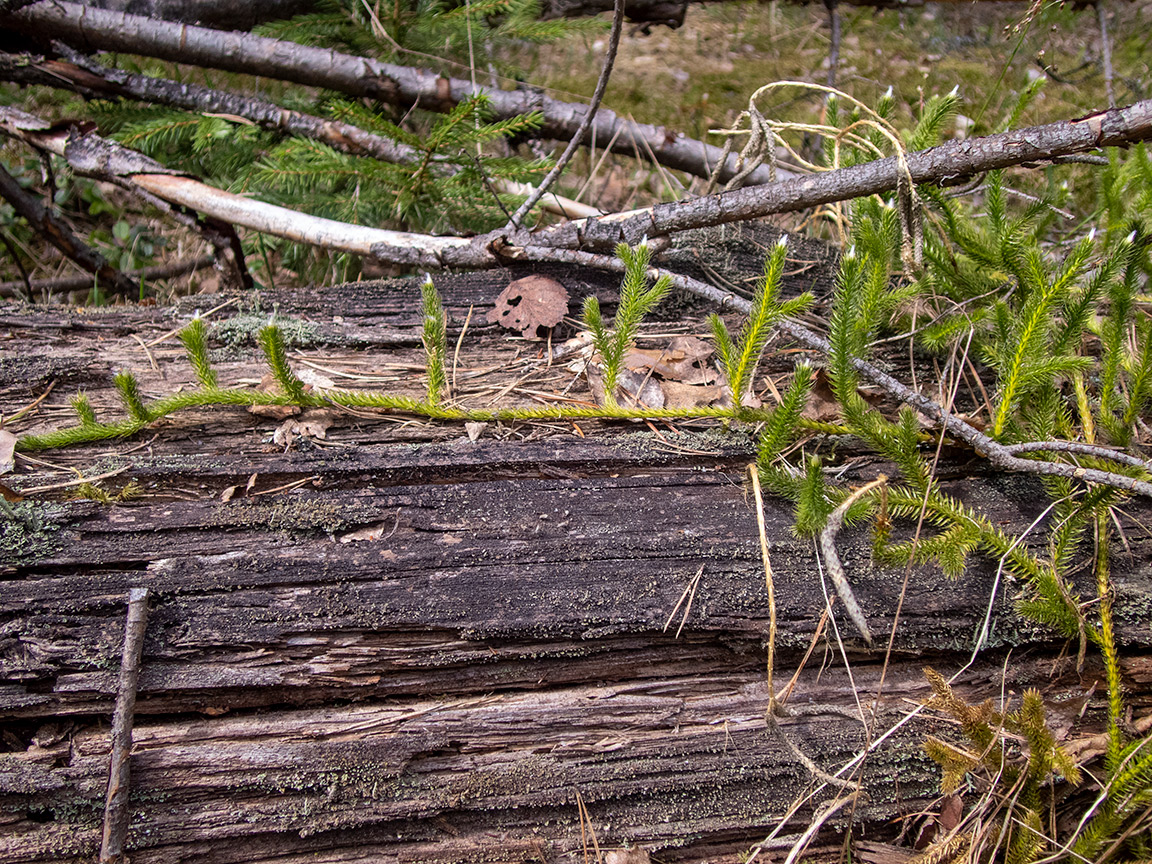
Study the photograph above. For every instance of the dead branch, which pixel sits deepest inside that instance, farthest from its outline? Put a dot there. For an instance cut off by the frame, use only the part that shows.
(93, 156)
(52, 229)
(79, 74)
(948, 163)
(99, 30)
(582, 130)
(79, 283)
(116, 801)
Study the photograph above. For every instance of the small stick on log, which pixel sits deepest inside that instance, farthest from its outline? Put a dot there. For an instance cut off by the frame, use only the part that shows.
(116, 801)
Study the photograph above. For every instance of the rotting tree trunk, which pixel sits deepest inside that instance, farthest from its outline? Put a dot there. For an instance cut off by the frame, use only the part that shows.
(444, 691)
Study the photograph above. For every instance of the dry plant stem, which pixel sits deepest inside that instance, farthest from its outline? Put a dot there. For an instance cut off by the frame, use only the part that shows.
(834, 50)
(1106, 51)
(30, 407)
(79, 283)
(24, 282)
(754, 475)
(832, 559)
(91, 29)
(53, 230)
(823, 813)
(585, 124)
(116, 802)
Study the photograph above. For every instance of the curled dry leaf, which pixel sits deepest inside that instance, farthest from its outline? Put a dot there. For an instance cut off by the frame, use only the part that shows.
(822, 405)
(685, 360)
(633, 389)
(311, 424)
(530, 305)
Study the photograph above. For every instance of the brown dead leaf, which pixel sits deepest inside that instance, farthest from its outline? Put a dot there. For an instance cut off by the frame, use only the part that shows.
(529, 305)
(7, 451)
(951, 812)
(635, 855)
(683, 360)
(310, 424)
(689, 360)
(680, 395)
(274, 412)
(633, 389)
(822, 405)
(371, 533)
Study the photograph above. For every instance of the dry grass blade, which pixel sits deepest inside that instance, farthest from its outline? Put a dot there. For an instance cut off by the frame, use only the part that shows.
(832, 559)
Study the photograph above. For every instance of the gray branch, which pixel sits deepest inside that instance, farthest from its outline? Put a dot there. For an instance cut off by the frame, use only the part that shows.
(100, 30)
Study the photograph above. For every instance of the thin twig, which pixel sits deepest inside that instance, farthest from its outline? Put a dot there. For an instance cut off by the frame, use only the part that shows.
(689, 594)
(77, 482)
(31, 406)
(116, 800)
(832, 560)
(585, 124)
(1097, 450)
(1106, 51)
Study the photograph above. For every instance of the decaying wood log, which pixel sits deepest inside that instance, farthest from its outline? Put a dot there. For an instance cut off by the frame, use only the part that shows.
(400, 644)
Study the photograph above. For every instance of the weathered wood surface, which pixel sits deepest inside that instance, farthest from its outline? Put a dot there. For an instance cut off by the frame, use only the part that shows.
(446, 691)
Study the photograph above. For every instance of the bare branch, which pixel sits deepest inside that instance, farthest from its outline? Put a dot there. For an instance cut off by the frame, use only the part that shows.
(946, 164)
(98, 30)
(116, 801)
(582, 129)
(52, 229)
(93, 81)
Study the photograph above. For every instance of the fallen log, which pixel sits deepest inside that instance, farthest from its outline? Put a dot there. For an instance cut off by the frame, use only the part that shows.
(395, 643)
